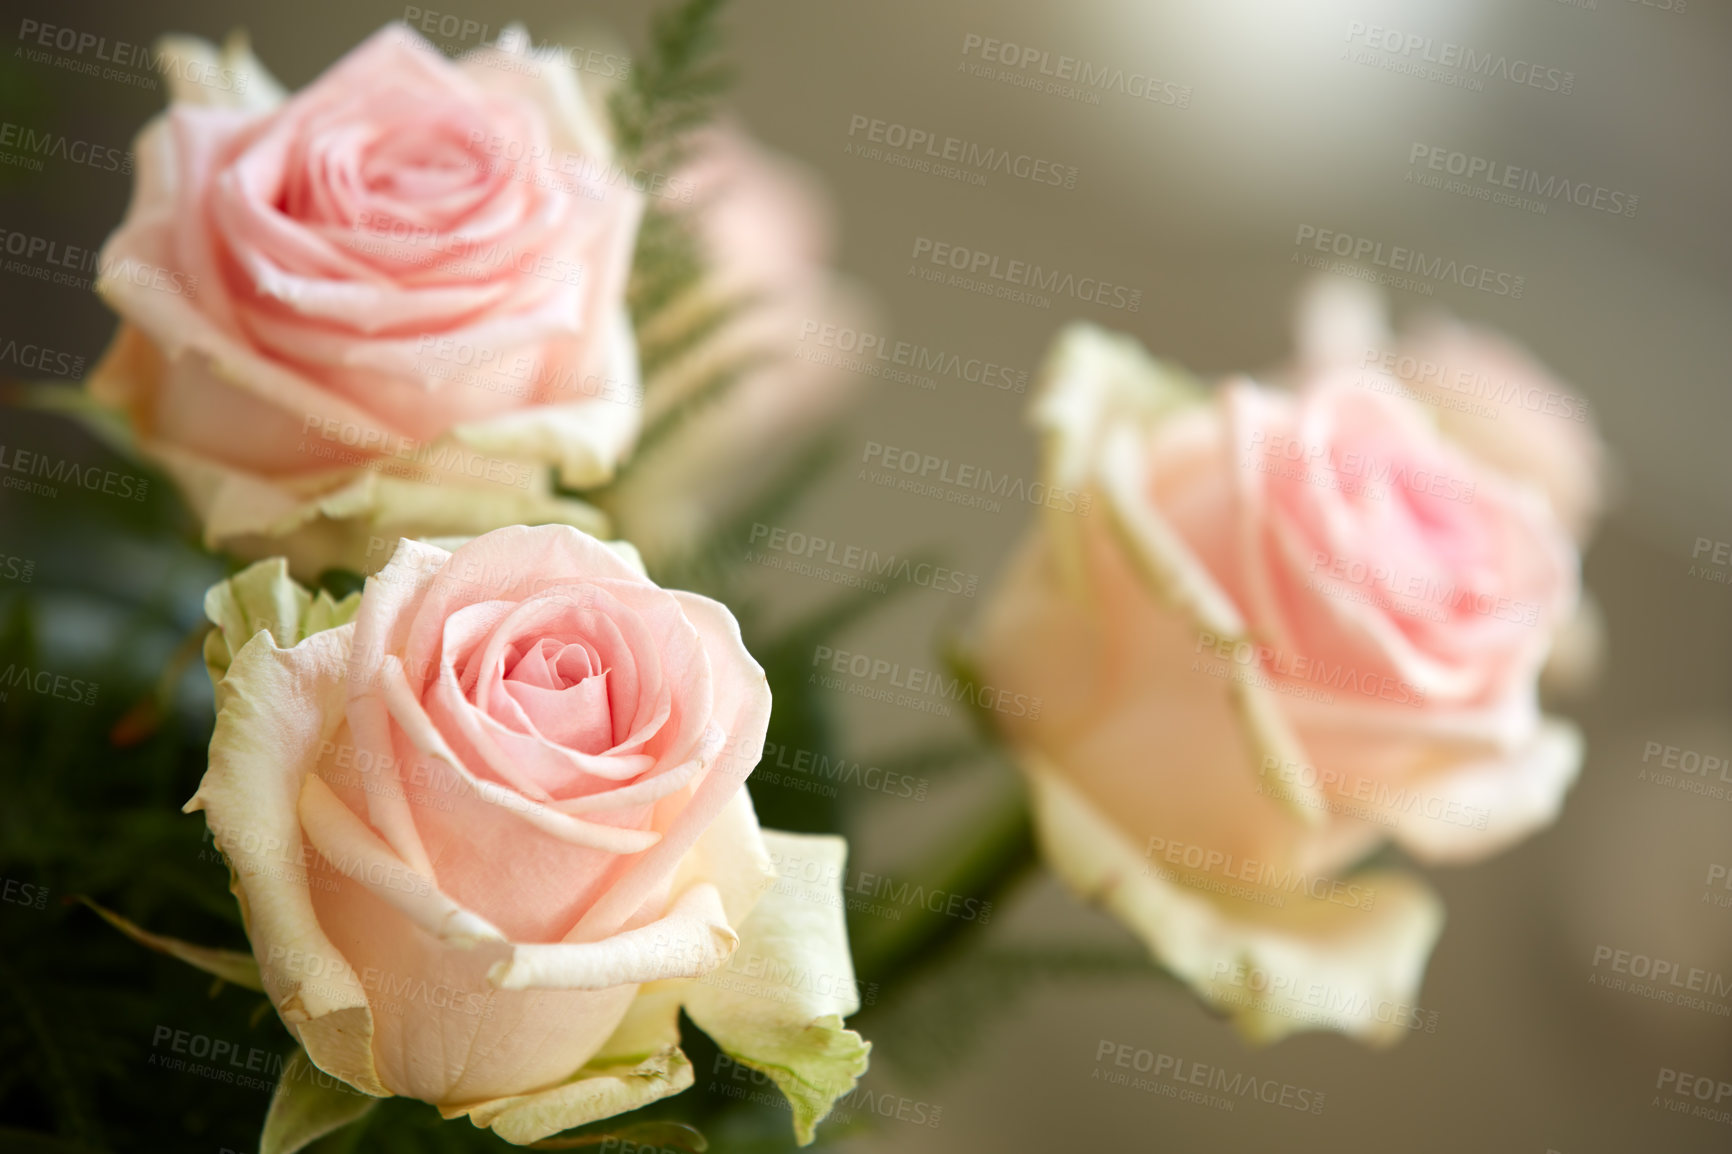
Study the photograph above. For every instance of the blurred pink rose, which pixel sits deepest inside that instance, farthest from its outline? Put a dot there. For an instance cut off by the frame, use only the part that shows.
(1489, 394)
(1302, 625)
(409, 274)
(1494, 397)
(765, 231)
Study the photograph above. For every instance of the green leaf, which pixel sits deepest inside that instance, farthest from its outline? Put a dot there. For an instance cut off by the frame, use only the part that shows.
(307, 1105)
(242, 969)
(672, 89)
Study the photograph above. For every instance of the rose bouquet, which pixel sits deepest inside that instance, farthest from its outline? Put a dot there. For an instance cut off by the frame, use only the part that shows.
(469, 371)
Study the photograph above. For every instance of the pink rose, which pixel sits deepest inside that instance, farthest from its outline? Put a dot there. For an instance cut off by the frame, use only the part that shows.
(1299, 624)
(476, 810)
(382, 305)
(1489, 394)
(1494, 399)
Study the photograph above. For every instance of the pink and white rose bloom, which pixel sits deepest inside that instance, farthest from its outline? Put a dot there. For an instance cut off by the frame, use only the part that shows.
(1296, 625)
(388, 304)
(1488, 393)
(488, 830)
(1492, 397)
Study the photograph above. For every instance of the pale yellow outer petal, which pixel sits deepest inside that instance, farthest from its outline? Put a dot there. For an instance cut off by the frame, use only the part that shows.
(264, 597)
(779, 1005)
(198, 72)
(1308, 964)
(260, 755)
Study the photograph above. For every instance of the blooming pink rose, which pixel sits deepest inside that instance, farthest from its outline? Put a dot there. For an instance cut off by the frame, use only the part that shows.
(1305, 623)
(1489, 394)
(475, 810)
(382, 305)
(1494, 397)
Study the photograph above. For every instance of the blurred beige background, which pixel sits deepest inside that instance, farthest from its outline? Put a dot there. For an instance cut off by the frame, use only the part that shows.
(1198, 207)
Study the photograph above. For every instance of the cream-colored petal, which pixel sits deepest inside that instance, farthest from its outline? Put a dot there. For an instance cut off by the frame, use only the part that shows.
(732, 856)
(591, 1095)
(1509, 795)
(264, 596)
(198, 72)
(779, 1007)
(1306, 965)
(260, 754)
(586, 440)
(692, 939)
